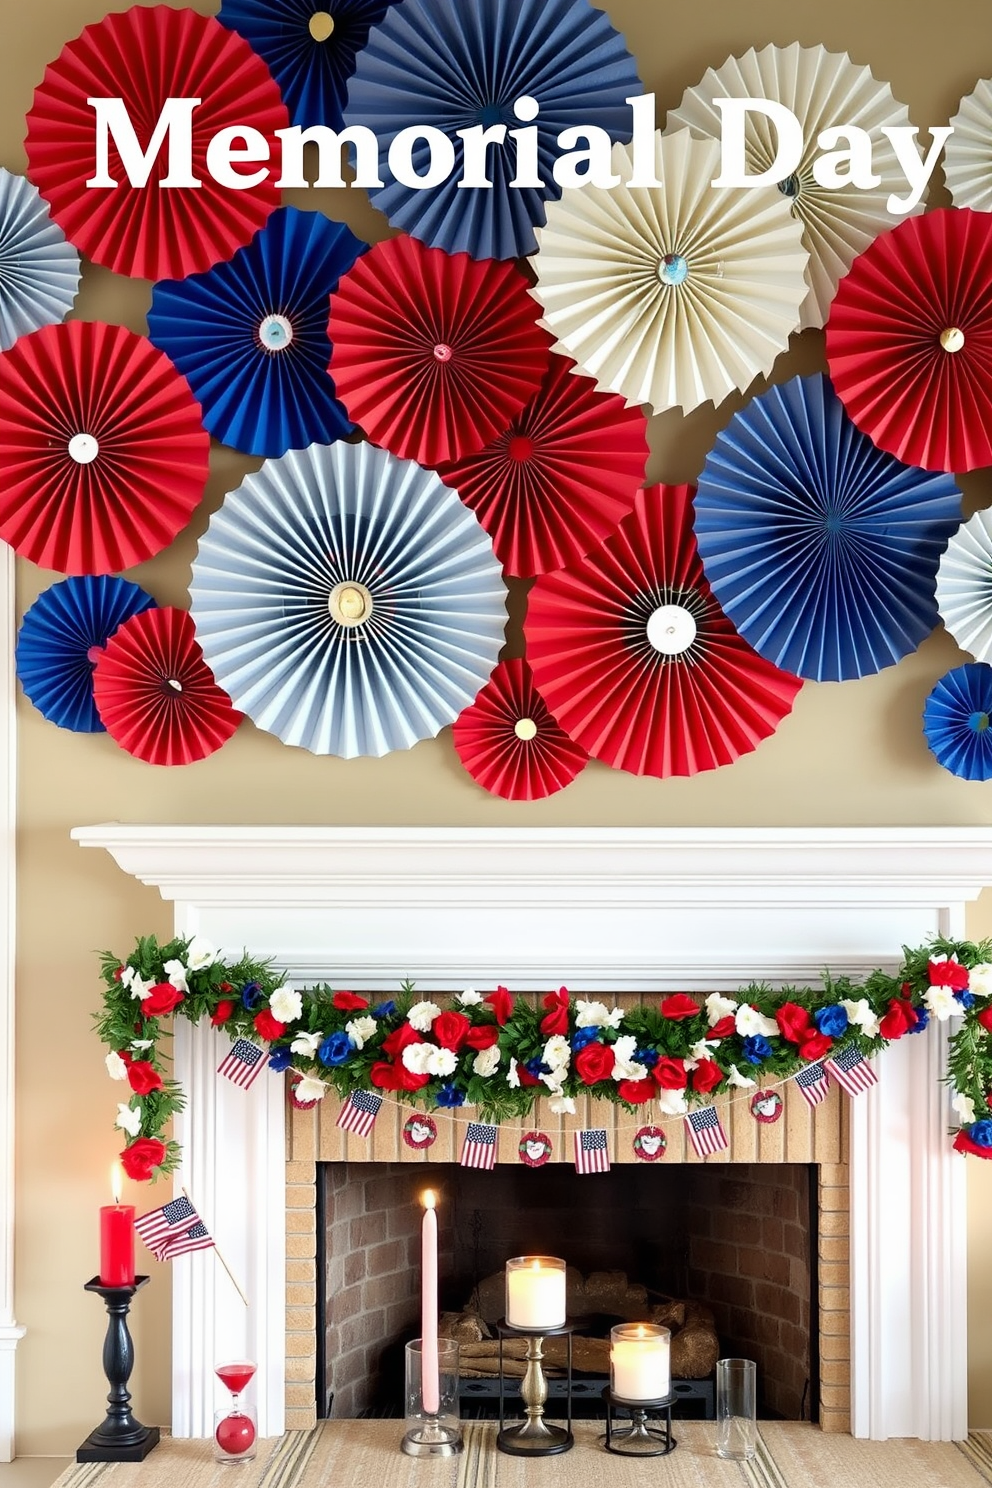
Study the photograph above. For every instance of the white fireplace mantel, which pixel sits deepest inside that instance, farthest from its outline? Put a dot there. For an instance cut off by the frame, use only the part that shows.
(605, 909)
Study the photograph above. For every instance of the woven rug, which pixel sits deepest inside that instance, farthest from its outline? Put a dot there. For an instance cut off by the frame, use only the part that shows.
(366, 1454)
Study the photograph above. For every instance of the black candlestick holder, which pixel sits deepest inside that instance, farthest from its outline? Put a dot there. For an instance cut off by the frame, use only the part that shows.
(120, 1438)
(534, 1436)
(635, 1437)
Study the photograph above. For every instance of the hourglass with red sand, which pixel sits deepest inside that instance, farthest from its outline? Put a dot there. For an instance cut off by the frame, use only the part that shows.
(235, 1432)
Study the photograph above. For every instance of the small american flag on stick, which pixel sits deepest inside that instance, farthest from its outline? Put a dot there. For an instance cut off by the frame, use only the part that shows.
(851, 1070)
(812, 1083)
(479, 1146)
(243, 1063)
(706, 1131)
(359, 1112)
(592, 1155)
(173, 1230)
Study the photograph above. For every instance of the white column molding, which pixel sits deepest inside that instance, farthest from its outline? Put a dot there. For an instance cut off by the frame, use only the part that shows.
(10, 1333)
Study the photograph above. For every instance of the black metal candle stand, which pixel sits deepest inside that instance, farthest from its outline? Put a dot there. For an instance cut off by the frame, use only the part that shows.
(635, 1438)
(534, 1436)
(120, 1438)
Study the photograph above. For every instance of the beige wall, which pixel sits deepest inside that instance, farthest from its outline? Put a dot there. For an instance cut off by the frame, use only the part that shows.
(849, 754)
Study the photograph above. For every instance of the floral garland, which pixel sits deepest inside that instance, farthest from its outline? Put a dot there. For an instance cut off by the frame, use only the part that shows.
(499, 1053)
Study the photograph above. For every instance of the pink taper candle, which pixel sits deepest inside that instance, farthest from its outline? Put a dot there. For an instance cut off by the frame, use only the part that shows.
(430, 1383)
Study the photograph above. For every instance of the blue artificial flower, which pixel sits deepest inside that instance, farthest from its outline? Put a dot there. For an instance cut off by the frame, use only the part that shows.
(648, 1057)
(922, 1018)
(280, 1059)
(335, 1049)
(583, 1036)
(450, 1095)
(757, 1048)
(251, 993)
(966, 999)
(832, 1020)
(383, 1009)
(981, 1133)
(536, 1066)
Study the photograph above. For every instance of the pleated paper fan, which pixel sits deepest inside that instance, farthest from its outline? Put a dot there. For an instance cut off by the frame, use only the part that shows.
(967, 159)
(144, 57)
(455, 64)
(823, 90)
(348, 601)
(635, 658)
(909, 340)
(822, 549)
(103, 454)
(964, 586)
(155, 694)
(433, 353)
(251, 335)
(558, 480)
(957, 721)
(310, 46)
(510, 744)
(39, 271)
(672, 295)
(60, 640)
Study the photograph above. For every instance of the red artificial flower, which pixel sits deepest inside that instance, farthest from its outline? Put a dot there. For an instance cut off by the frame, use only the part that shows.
(594, 1062)
(963, 1143)
(724, 1028)
(988, 1100)
(793, 1022)
(706, 1076)
(349, 1002)
(407, 1079)
(501, 1003)
(384, 1075)
(636, 1092)
(161, 1000)
(949, 973)
(144, 1154)
(985, 1019)
(118, 973)
(670, 1073)
(221, 1013)
(815, 1046)
(268, 1026)
(224, 987)
(482, 1036)
(451, 1030)
(142, 1077)
(899, 1019)
(556, 1020)
(525, 1077)
(679, 1006)
(394, 1043)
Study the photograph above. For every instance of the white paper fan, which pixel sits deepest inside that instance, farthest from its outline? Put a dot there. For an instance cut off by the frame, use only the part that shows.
(347, 601)
(824, 90)
(675, 294)
(964, 586)
(968, 151)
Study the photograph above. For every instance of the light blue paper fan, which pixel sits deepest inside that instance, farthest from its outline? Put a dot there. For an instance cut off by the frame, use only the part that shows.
(39, 270)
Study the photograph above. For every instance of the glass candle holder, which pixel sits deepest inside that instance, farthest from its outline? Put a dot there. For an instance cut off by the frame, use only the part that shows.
(736, 1409)
(432, 1433)
(535, 1292)
(640, 1361)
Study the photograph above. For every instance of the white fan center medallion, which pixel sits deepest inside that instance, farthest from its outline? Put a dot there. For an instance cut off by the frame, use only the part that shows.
(671, 630)
(275, 333)
(83, 448)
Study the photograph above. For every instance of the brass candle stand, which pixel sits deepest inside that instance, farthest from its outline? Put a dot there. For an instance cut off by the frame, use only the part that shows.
(534, 1436)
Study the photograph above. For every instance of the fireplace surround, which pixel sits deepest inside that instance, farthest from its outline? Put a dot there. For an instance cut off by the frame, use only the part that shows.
(600, 910)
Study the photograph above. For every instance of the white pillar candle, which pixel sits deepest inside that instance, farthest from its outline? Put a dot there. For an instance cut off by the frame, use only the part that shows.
(535, 1292)
(640, 1367)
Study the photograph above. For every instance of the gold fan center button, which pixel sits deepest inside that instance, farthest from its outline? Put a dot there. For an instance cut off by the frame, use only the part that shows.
(952, 338)
(320, 25)
(350, 603)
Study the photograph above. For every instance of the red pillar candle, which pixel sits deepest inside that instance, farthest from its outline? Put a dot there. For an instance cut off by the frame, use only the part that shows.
(117, 1240)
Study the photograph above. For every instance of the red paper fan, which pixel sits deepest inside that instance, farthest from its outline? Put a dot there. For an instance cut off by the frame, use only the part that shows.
(434, 353)
(510, 744)
(103, 455)
(637, 661)
(559, 479)
(155, 693)
(145, 56)
(909, 340)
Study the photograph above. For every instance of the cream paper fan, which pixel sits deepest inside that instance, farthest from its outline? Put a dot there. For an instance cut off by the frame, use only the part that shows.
(964, 586)
(675, 294)
(968, 151)
(824, 90)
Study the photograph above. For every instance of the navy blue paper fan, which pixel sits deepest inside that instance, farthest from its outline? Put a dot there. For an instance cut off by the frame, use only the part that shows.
(957, 721)
(452, 64)
(310, 47)
(250, 335)
(821, 548)
(60, 638)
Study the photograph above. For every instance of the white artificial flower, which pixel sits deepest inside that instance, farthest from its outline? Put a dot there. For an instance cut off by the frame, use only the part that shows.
(562, 1105)
(861, 1014)
(672, 1102)
(440, 1062)
(749, 1022)
(176, 972)
(422, 1015)
(139, 987)
(557, 1052)
(512, 1078)
(200, 953)
(597, 1015)
(128, 1120)
(141, 1043)
(308, 1088)
(735, 1077)
(470, 998)
(718, 1007)
(415, 1057)
(307, 1043)
(625, 1066)
(941, 1002)
(127, 976)
(980, 979)
(964, 1106)
(701, 1050)
(554, 1079)
(486, 1062)
(360, 1029)
(116, 1068)
(286, 1005)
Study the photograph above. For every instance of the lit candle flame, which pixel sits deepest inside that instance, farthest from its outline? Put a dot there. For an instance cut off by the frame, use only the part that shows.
(427, 1198)
(641, 1331)
(116, 1181)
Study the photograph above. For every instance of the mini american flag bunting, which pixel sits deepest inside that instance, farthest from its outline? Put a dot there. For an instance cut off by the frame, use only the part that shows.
(706, 1131)
(851, 1070)
(243, 1063)
(359, 1112)
(173, 1230)
(479, 1146)
(592, 1155)
(813, 1084)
